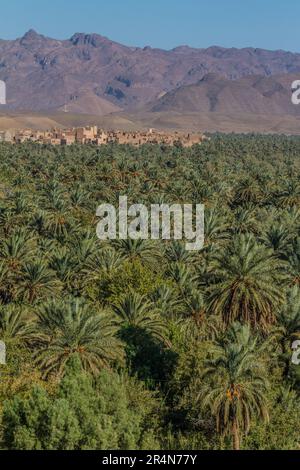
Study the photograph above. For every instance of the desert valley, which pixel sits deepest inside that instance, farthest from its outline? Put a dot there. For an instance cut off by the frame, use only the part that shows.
(91, 80)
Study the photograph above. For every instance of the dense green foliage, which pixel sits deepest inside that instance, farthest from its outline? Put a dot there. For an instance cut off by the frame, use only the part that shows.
(142, 344)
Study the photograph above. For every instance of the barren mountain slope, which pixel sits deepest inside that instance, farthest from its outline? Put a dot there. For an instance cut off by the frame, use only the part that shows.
(43, 73)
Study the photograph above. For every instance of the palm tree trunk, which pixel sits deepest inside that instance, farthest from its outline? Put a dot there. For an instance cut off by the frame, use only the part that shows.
(286, 359)
(235, 435)
(31, 296)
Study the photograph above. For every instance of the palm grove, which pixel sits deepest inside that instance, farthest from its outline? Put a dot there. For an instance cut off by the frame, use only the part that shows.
(142, 344)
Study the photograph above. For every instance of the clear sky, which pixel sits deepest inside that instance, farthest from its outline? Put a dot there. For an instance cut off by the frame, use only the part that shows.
(271, 24)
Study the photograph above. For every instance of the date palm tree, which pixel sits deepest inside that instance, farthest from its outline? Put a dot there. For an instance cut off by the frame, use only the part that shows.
(7, 221)
(177, 253)
(14, 324)
(5, 284)
(79, 197)
(216, 226)
(289, 325)
(234, 385)
(64, 266)
(294, 262)
(166, 301)
(36, 281)
(248, 191)
(58, 219)
(144, 250)
(195, 306)
(83, 246)
(38, 223)
(278, 238)
(69, 327)
(137, 312)
(245, 221)
(182, 274)
(248, 283)
(16, 250)
(289, 196)
(20, 204)
(102, 265)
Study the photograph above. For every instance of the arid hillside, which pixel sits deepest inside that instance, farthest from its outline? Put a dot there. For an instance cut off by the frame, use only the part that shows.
(250, 95)
(89, 72)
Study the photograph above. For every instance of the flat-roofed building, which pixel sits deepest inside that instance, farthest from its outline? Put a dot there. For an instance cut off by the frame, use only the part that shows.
(6, 136)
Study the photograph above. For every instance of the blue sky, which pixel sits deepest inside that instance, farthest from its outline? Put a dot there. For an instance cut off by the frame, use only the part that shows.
(271, 24)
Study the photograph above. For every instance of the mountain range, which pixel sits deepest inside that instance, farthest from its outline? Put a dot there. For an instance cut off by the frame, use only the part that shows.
(90, 74)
